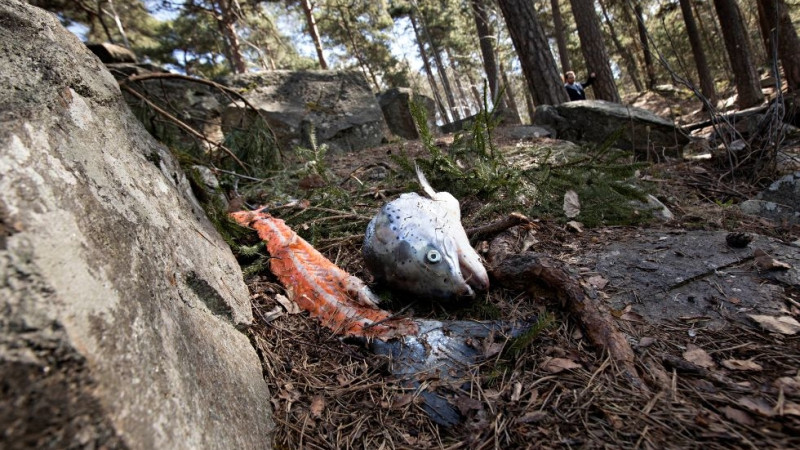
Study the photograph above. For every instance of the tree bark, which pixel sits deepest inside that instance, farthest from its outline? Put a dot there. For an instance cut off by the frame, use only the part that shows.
(594, 50)
(227, 26)
(648, 57)
(623, 52)
(533, 51)
(486, 39)
(776, 14)
(428, 71)
(561, 39)
(313, 31)
(512, 114)
(703, 72)
(737, 44)
(437, 59)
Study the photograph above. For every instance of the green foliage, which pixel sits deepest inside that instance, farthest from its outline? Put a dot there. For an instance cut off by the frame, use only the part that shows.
(474, 168)
(256, 146)
(517, 346)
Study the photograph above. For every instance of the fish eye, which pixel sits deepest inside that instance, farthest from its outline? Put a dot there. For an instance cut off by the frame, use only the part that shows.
(433, 256)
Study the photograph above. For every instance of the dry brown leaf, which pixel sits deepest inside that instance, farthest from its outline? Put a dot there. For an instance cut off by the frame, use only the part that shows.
(402, 400)
(738, 416)
(597, 281)
(790, 386)
(290, 306)
(697, 355)
(532, 417)
(516, 393)
(756, 405)
(466, 404)
(646, 342)
(556, 365)
(632, 316)
(572, 205)
(741, 364)
(784, 324)
(766, 262)
(575, 226)
(790, 409)
(317, 406)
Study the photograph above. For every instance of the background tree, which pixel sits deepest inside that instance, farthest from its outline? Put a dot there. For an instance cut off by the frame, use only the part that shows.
(560, 37)
(538, 65)
(594, 50)
(703, 72)
(783, 35)
(737, 43)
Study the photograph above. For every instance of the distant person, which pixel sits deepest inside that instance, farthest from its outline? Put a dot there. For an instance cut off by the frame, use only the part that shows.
(576, 90)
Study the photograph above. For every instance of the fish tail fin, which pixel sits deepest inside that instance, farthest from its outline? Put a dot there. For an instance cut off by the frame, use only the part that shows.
(424, 182)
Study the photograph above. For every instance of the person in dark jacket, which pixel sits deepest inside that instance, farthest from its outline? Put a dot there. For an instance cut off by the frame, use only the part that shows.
(574, 89)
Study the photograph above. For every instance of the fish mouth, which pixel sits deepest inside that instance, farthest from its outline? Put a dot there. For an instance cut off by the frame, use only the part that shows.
(478, 280)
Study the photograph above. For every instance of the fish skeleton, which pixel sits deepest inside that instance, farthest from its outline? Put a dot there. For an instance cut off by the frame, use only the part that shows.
(418, 349)
(417, 244)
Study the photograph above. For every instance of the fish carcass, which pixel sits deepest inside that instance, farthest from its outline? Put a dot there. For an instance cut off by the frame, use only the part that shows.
(417, 348)
(417, 244)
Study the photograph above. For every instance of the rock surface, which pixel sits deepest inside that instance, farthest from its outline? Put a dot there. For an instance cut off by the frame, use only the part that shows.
(396, 106)
(338, 107)
(595, 121)
(120, 301)
(696, 275)
(780, 202)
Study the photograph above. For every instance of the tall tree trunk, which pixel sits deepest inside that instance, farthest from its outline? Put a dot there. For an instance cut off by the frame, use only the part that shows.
(227, 26)
(748, 86)
(624, 52)
(594, 50)
(487, 41)
(428, 72)
(529, 104)
(703, 72)
(764, 27)
(711, 35)
(561, 38)
(437, 59)
(533, 51)
(476, 94)
(648, 57)
(463, 103)
(311, 23)
(512, 114)
(118, 22)
(776, 14)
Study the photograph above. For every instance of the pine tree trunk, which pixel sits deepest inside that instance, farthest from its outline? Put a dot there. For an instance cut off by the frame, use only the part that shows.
(776, 14)
(486, 37)
(561, 39)
(226, 23)
(594, 50)
(512, 114)
(311, 23)
(748, 86)
(703, 72)
(533, 51)
(466, 111)
(437, 59)
(648, 58)
(624, 52)
(428, 72)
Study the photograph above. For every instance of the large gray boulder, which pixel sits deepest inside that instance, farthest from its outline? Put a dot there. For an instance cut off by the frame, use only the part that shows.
(337, 107)
(594, 121)
(122, 306)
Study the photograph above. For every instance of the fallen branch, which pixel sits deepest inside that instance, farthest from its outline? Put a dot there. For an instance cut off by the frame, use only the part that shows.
(501, 225)
(521, 270)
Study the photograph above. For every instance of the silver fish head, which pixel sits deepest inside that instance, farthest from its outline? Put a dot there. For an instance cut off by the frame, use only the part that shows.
(418, 245)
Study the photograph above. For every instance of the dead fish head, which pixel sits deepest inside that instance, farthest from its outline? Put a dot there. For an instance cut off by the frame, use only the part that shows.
(418, 245)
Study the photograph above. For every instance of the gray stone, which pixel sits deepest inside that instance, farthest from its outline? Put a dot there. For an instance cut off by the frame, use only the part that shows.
(670, 275)
(595, 121)
(780, 202)
(122, 306)
(112, 53)
(396, 106)
(337, 107)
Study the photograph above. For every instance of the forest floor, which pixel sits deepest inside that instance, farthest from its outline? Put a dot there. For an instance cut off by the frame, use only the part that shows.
(713, 379)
